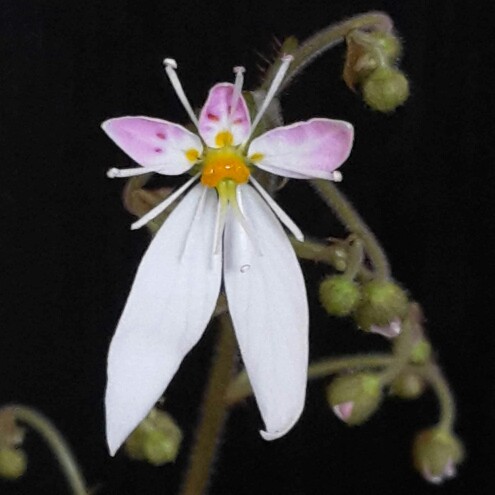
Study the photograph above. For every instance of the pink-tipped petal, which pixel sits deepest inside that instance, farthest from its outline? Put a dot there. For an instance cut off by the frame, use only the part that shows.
(312, 149)
(268, 304)
(390, 331)
(343, 411)
(170, 303)
(217, 116)
(165, 147)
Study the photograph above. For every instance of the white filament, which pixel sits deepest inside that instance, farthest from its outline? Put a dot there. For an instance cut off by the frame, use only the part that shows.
(282, 216)
(277, 81)
(163, 205)
(239, 82)
(170, 67)
(112, 173)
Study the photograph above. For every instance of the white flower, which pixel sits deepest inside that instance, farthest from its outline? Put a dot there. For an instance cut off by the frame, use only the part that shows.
(225, 224)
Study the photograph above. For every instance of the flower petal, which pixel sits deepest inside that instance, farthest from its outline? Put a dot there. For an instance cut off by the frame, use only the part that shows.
(217, 117)
(268, 303)
(171, 301)
(167, 148)
(312, 149)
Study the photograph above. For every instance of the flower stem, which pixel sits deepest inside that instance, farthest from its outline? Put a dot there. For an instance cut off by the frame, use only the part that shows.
(435, 377)
(214, 412)
(325, 40)
(57, 444)
(240, 388)
(355, 224)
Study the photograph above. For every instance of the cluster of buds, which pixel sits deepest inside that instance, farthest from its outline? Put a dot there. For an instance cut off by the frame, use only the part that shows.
(377, 306)
(13, 460)
(156, 440)
(371, 65)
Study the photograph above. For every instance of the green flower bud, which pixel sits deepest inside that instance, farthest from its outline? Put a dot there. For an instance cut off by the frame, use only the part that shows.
(339, 295)
(436, 453)
(388, 44)
(382, 303)
(385, 89)
(354, 398)
(156, 440)
(408, 386)
(421, 352)
(13, 463)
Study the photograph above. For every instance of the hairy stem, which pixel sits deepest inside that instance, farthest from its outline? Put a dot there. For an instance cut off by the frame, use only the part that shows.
(214, 412)
(326, 39)
(56, 443)
(240, 388)
(435, 377)
(355, 224)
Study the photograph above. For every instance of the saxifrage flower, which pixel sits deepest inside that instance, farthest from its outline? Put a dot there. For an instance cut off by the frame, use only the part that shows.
(225, 224)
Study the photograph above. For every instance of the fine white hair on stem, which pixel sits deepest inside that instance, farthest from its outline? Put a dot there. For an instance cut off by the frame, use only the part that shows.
(163, 205)
(277, 81)
(170, 68)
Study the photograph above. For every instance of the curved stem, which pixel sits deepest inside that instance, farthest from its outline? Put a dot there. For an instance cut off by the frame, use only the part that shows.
(214, 412)
(57, 444)
(435, 377)
(325, 40)
(354, 223)
(240, 388)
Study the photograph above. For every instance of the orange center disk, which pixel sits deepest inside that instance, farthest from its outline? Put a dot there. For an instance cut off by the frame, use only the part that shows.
(223, 163)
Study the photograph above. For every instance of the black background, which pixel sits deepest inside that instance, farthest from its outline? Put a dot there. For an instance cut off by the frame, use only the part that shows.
(417, 176)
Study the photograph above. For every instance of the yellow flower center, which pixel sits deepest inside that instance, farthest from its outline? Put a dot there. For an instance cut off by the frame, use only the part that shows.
(221, 164)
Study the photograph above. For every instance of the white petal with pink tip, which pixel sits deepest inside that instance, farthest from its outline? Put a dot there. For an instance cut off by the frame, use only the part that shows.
(155, 143)
(218, 116)
(312, 149)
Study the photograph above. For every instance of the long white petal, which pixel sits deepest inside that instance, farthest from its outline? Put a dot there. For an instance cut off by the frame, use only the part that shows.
(268, 303)
(171, 301)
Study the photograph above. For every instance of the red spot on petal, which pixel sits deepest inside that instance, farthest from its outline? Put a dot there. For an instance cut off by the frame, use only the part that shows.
(211, 116)
(238, 121)
(157, 150)
(161, 135)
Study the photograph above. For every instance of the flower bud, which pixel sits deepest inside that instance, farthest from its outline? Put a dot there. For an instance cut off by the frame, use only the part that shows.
(421, 352)
(339, 295)
(156, 440)
(13, 463)
(408, 386)
(436, 453)
(354, 398)
(382, 304)
(385, 89)
(388, 45)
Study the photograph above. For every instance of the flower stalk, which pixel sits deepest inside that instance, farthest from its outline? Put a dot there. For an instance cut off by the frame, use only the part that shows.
(57, 444)
(355, 224)
(214, 411)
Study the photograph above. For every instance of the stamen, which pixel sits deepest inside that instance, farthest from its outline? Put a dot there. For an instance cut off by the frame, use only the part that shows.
(163, 205)
(239, 215)
(282, 216)
(219, 224)
(197, 214)
(337, 176)
(170, 67)
(113, 173)
(239, 82)
(277, 80)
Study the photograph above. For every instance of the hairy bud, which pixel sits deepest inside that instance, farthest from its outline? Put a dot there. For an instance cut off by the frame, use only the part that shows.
(13, 463)
(385, 89)
(354, 398)
(436, 453)
(339, 295)
(156, 440)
